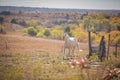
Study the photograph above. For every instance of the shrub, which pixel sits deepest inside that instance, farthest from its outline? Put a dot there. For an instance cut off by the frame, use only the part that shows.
(57, 34)
(115, 37)
(14, 21)
(95, 38)
(5, 13)
(31, 31)
(47, 33)
(80, 34)
(112, 63)
(94, 58)
(1, 20)
(2, 30)
(68, 30)
(40, 34)
(23, 23)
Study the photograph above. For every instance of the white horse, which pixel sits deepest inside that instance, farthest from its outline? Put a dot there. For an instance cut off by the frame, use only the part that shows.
(70, 44)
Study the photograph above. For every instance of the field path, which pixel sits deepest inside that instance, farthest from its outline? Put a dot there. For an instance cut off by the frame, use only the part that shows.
(28, 45)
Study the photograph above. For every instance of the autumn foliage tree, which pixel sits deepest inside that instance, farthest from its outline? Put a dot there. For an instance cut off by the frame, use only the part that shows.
(32, 31)
(68, 30)
(57, 34)
(80, 34)
(1, 20)
(2, 29)
(115, 37)
(47, 33)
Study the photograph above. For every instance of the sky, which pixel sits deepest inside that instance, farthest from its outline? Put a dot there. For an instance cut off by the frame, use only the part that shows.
(74, 4)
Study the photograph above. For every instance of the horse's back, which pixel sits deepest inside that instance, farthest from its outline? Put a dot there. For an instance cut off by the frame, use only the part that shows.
(72, 41)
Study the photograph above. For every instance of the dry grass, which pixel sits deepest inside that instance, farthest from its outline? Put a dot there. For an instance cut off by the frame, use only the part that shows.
(32, 58)
(28, 45)
(29, 58)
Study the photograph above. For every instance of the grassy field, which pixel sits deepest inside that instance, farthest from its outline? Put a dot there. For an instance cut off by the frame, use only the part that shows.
(31, 58)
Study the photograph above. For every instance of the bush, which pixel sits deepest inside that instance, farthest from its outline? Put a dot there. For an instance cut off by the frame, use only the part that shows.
(80, 34)
(31, 31)
(57, 34)
(115, 37)
(40, 34)
(14, 21)
(112, 63)
(68, 31)
(23, 23)
(47, 33)
(2, 30)
(1, 20)
(5, 13)
(95, 38)
(94, 58)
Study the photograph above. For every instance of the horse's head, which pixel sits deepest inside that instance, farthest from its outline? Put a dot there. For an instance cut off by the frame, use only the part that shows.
(65, 35)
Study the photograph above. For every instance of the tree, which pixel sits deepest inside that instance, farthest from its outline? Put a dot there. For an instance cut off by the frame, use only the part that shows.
(23, 23)
(80, 34)
(98, 22)
(67, 16)
(47, 33)
(115, 37)
(115, 23)
(1, 20)
(2, 30)
(20, 12)
(5, 13)
(67, 30)
(57, 34)
(14, 21)
(32, 31)
(118, 28)
(40, 34)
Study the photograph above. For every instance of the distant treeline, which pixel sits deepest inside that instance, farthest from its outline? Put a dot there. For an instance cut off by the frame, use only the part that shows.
(54, 10)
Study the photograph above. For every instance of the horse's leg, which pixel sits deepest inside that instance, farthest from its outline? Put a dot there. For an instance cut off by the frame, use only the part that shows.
(73, 55)
(77, 49)
(77, 46)
(69, 52)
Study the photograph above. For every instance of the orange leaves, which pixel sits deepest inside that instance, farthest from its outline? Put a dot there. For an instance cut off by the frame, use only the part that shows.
(80, 34)
(115, 37)
(74, 63)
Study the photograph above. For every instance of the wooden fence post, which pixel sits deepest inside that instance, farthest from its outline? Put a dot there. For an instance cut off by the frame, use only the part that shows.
(108, 46)
(116, 50)
(89, 43)
(6, 45)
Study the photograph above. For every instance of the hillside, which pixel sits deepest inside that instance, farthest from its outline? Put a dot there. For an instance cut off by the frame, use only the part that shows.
(32, 44)
(54, 10)
(24, 44)
(52, 23)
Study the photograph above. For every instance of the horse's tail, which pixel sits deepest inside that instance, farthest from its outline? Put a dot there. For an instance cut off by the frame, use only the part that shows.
(78, 46)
